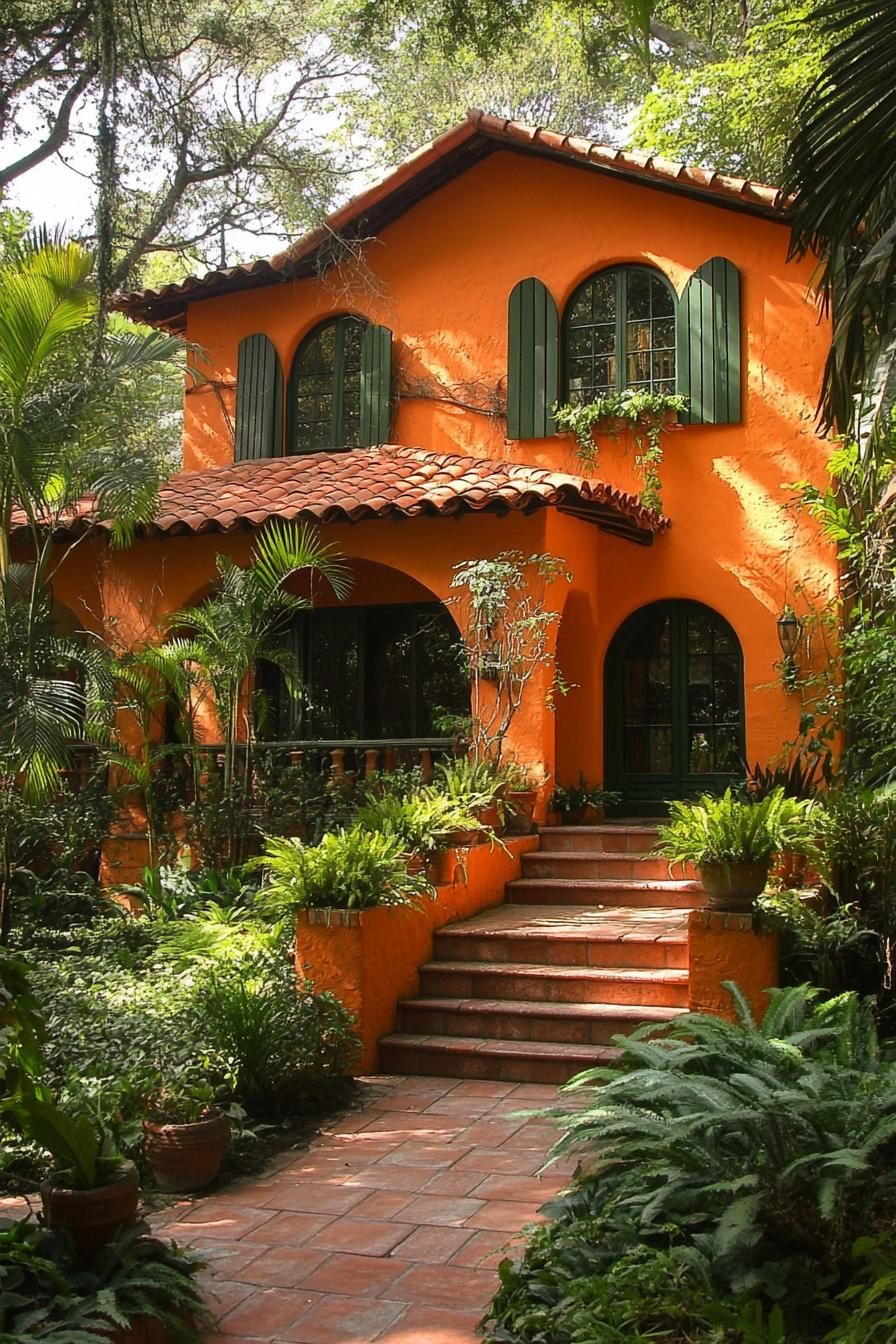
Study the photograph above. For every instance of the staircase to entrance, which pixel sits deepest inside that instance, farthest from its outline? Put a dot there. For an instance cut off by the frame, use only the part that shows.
(591, 942)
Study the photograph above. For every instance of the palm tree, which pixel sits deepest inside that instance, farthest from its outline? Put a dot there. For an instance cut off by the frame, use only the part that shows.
(67, 450)
(235, 629)
(842, 172)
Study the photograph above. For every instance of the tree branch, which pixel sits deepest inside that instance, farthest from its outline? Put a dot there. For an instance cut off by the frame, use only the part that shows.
(680, 40)
(58, 133)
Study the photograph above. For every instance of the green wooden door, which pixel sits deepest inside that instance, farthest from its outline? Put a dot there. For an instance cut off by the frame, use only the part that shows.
(673, 706)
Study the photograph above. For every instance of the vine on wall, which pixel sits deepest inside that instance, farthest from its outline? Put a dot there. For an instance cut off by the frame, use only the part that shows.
(647, 416)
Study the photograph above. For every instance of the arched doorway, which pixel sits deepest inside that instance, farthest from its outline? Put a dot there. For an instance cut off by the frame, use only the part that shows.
(673, 705)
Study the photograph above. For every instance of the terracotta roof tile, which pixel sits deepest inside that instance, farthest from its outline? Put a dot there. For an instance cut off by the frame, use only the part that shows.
(387, 482)
(428, 168)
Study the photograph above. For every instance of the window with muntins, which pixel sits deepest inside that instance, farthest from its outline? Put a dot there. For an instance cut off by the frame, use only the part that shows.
(619, 332)
(325, 388)
(371, 673)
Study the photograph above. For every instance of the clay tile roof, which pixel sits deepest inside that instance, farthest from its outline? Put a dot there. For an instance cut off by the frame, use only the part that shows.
(430, 167)
(387, 482)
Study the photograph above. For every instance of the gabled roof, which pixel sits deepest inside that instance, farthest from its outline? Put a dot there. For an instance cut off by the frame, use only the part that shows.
(387, 482)
(474, 139)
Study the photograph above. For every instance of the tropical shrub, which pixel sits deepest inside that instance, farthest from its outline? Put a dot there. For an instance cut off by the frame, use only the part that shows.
(726, 830)
(579, 797)
(285, 1043)
(348, 870)
(44, 1296)
(731, 1161)
(423, 821)
(823, 944)
(471, 783)
(800, 775)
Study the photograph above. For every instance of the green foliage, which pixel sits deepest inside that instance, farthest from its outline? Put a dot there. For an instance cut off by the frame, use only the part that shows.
(44, 1295)
(866, 1310)
(181, 1096)
(800, 775)
(423, 822)
(471, 784)
(285, 1043)
(21, 1024)
(579, 797)
(348, 870)
(726, 830)
(646, 415)
(81, 1146)
(728, 1167)
(857, 839)
(828, 947)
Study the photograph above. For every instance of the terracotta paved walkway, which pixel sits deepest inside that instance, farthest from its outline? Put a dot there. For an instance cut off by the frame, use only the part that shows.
(389, 1228)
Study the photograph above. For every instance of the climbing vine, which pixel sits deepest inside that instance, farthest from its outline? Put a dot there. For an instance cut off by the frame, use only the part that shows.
(645, 415)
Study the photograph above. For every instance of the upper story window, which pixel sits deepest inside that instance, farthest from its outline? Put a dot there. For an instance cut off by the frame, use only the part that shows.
(619, 332)
(325, 388)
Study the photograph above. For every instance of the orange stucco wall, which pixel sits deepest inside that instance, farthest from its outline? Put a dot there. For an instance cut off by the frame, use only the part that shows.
(440, 277)
(729, 947)
(373, 961)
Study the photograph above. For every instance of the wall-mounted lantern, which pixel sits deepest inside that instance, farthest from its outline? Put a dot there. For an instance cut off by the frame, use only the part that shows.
(790, 629)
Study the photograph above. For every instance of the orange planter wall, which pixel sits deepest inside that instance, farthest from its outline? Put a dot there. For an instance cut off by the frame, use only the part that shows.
(729, 947)
(373, 962)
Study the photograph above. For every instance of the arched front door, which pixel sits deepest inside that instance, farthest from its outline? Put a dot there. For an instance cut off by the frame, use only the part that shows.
(673, 703)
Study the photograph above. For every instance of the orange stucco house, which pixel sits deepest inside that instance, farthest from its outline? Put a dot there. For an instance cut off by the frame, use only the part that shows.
(392, 378)
(435, 320)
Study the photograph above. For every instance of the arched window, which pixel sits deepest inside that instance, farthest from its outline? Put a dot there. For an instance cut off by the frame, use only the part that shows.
(324, 409)
(619, 332)
(673, 704)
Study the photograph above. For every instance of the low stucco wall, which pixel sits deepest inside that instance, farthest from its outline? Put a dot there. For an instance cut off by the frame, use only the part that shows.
(370, 959)
(724, 946)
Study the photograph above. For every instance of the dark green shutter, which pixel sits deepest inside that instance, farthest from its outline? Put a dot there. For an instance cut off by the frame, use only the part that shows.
(376, 386)
(259, 400)
(532, 381)
(708, 344)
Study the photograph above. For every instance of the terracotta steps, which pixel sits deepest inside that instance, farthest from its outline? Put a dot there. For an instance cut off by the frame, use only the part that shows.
(591, 943)
(603, 892)
(502, 1061)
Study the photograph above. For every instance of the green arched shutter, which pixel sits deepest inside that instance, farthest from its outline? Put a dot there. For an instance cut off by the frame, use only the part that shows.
(532, 371)
(259, 400)
(708, 344)
(376, 386)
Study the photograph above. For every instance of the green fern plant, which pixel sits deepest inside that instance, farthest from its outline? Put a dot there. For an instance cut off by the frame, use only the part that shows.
(349, 870)
(770, 1145)
(726, 830)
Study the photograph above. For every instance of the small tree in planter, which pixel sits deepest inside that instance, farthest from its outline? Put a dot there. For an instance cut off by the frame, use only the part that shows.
(507, 635)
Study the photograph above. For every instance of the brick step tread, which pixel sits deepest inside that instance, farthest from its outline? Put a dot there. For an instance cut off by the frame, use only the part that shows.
(609, 924)
(597, 974)
(629, 1012)
(597, 855)
(605, 828)
(586, 1055)
(675, 886)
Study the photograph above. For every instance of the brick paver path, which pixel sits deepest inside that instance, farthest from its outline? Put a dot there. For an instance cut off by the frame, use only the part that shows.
(389, 1228)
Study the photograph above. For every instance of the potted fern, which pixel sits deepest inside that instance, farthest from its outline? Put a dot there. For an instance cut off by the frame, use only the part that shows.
(733, 843)
(425, 822)
(186, 1133)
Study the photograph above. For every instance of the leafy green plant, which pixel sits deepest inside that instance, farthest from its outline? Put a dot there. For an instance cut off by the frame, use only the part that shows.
(726, 830)
(286, 1044)
(423, 821)
(470, 783)
(181, 1096)
(46, 1296)
(769, 1145)
(578, 797)
(827, 947)
(865, 1311)
(21, 1024)
(79, 1141)
(645, 414)
(347, 870)
(800, 775)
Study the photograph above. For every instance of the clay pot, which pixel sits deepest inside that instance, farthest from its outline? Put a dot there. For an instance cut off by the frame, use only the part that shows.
(462, 839)
(92, 1217)
(489, 816)
(521, 810)
(734, 886)
(414, 864)
(186, 1157)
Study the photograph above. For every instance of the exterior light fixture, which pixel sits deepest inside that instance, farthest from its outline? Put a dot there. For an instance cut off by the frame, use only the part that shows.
(790, 628)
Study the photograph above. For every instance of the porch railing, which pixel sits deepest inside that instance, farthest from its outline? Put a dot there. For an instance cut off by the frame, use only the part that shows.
(337, 758)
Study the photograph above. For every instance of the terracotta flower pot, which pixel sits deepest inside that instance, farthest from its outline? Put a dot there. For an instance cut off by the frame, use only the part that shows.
(92, 1217)
(734, 886)
(462, 839)
(186, 1157)
(414, 863)
(489, 816)
(521, 810)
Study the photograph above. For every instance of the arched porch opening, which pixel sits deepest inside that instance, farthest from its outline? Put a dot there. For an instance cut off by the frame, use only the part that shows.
(379, 679)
